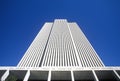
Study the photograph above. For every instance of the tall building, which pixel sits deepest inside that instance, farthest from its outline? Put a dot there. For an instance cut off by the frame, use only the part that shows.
(60, 44)
(60, 52)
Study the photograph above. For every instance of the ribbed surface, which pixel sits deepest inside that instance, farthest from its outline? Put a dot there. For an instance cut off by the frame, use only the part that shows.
(33, 55)
(60, 50)
(88, 56)
(60, 44)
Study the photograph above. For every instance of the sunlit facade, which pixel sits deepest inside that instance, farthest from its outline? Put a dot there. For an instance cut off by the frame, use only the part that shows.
(60, 52)
(60, 43)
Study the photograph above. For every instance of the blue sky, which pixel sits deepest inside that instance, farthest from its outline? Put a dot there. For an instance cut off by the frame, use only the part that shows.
(21, 20)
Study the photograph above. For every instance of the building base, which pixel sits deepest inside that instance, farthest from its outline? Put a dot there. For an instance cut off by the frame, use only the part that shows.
(60, 73)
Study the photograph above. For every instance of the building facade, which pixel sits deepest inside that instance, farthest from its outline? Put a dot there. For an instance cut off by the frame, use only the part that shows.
(62, 52)
(60, 44)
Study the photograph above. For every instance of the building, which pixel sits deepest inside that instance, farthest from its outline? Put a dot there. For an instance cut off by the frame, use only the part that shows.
(62, 52)
(60, 44)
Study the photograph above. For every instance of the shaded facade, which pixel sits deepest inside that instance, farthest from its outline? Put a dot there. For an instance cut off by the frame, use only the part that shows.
(60, 74)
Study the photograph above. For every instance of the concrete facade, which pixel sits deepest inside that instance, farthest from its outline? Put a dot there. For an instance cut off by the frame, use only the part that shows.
(60, 43)
(61, 73)
(60, 52)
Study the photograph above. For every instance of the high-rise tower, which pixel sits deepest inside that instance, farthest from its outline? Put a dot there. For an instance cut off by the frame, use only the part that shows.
(60, 43)
(60, 52)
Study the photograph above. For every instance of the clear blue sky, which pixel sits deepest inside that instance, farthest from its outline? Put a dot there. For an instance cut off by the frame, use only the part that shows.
(21, 20)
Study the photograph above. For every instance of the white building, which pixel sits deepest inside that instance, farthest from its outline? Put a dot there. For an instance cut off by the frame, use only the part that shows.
(62, 52)
(60, 44)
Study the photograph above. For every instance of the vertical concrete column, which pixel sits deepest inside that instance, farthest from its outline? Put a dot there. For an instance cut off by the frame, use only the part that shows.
(78, 59)
(72, 75)
(95, 76)
(49, 76)
(6, 74)
(27, 76)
